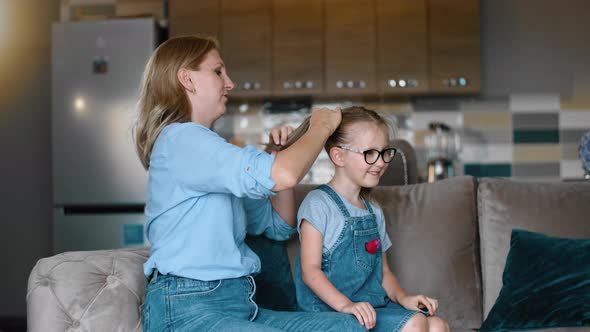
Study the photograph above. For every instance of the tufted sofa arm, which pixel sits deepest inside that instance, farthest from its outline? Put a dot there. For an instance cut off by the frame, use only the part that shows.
(88, 291)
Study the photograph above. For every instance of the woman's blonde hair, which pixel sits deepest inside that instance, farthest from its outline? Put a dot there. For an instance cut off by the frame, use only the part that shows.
(342, 135)
(163, 99)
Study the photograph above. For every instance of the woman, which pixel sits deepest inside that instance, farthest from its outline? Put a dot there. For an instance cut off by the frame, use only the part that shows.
(204, 194)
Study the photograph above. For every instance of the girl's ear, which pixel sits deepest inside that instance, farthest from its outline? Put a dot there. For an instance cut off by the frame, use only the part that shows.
(336, 155)
(184, 78)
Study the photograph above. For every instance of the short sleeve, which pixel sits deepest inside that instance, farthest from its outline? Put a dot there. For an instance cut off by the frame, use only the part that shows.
(385, 241)
(203, 162)
(315, 210)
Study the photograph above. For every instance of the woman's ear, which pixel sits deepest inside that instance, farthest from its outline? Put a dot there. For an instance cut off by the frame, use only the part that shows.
(184, 78)
(336, 156)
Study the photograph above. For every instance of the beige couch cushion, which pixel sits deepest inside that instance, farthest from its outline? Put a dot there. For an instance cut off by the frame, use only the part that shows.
(558, 209)
(87, 291)
(433, 229)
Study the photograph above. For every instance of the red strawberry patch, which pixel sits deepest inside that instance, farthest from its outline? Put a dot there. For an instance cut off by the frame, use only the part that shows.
(373, 245)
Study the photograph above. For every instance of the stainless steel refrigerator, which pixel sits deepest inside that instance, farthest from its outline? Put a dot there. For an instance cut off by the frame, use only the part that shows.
(98, 182)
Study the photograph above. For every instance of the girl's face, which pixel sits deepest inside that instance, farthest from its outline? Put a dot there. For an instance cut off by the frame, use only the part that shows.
(211, 85)
(365, 136)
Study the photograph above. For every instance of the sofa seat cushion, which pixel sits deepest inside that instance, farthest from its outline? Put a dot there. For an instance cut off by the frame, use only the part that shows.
(556, 209)
(88, 291)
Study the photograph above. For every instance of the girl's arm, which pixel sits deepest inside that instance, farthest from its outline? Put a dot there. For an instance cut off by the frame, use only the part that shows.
(390, 283)
(396, 293)
(316, 280)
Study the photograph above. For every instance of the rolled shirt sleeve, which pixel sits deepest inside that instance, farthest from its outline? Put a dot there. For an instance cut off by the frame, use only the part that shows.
(204, 162)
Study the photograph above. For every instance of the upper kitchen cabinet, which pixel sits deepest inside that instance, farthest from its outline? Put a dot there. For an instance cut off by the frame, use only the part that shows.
(402, 47)
(297, 47)
(189, 17)
(246, 45)
(454, 46)
(350, 47)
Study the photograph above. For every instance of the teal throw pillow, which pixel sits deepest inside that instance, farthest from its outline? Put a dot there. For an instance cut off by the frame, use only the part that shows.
(275, 289)
(546, 283)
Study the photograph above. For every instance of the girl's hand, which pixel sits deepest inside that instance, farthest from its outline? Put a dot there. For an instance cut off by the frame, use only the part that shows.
(326, 118)
(419, 302)
(363, 311)
(279, 136)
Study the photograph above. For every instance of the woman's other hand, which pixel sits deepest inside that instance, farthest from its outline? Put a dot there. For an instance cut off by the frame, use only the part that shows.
(278, 137)
(327, 118)
(363, 311)
(420, 303)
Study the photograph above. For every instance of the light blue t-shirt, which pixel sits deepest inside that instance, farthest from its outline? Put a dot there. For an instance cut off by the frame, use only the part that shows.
(204, 195)
(322, 212)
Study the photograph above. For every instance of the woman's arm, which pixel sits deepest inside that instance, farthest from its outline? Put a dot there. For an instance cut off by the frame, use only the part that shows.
(316, 280)
(284, 201)
(291, 165)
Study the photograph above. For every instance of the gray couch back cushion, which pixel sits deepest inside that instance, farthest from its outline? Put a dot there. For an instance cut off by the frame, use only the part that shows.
(433, 229)
(558, 209)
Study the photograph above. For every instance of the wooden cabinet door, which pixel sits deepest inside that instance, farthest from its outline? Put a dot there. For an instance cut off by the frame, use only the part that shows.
(246, 45)
(402, 47)
(189, 17)
(297, 47)
(350, 47)
(454, 45)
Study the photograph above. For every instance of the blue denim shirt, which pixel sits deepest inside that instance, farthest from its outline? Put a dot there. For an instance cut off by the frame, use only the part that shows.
(204, 195)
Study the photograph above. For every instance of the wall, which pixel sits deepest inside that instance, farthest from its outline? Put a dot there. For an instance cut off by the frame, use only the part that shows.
(25, 174)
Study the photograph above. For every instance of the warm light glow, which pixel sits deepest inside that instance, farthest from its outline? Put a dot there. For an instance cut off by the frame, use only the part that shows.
(79, 104)
(4, 22)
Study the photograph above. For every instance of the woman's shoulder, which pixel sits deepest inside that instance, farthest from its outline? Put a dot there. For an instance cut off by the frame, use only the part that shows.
(186, 128)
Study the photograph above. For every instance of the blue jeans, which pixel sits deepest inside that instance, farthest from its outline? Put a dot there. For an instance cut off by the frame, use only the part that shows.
(181, 304)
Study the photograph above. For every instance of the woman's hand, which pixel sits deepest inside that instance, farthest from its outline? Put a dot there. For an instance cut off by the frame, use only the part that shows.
(327, 118)
(363, 311)
(278, 136)
(419, 302)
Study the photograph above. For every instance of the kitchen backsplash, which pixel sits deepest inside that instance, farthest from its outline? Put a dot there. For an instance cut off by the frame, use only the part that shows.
(525, 137)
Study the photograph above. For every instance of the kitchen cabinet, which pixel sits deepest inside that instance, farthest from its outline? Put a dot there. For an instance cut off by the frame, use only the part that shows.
(340, 47)
(402, 47)
(297, 47)
(246, 45)
(350, 47)
(188, 17)
(454, 46)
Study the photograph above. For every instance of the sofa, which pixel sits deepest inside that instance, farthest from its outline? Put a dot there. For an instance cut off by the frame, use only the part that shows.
(450, 241)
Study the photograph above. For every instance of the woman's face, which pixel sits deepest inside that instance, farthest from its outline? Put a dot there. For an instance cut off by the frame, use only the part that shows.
(211, 86)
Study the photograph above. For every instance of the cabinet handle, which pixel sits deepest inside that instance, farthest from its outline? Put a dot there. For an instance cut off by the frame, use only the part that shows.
(455, 82)
(309, 84)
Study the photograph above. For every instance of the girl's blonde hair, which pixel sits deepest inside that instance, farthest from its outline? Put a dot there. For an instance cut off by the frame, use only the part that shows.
(163, 99)
(342, 135)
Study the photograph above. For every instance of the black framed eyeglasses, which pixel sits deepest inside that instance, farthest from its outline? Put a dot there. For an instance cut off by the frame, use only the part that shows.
(372, 155)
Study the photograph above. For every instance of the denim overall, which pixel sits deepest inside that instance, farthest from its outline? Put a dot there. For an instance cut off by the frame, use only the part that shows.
(353, 270)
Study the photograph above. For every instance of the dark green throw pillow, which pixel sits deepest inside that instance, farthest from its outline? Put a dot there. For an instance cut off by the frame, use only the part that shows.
(275, 288)
(546, 283)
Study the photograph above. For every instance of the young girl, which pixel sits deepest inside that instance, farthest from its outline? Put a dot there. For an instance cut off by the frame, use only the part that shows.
(205, 194)
(342, 264)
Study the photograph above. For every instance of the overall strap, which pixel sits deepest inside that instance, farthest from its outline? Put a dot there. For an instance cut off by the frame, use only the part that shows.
(334, 196)
(366, 201)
